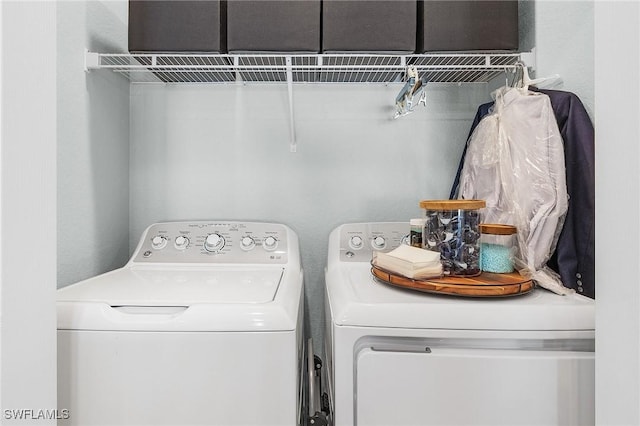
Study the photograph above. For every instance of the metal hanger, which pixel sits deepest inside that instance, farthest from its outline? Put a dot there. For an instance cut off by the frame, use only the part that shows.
(413, 89)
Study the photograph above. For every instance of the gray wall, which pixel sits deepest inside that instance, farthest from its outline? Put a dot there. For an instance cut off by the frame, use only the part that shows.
(564, 44)
(93, 142)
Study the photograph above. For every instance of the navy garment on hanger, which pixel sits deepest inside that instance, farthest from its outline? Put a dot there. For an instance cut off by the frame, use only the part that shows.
(574, 258)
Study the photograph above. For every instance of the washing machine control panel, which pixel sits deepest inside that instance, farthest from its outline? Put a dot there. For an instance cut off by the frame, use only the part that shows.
(213, 242)
(358, 241)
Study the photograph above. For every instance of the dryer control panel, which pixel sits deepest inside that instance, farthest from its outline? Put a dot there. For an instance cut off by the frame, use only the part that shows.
(213, 242)
(358, 241)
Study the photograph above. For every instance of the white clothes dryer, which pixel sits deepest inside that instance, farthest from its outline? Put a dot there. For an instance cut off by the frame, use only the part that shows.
(202, 326)
(397, 357)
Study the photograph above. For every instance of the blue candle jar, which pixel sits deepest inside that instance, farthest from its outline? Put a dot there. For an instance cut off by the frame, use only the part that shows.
(497, 247)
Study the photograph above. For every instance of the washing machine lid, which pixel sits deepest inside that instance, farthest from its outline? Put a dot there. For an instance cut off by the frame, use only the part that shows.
(357, 299)
(149, 286)
(182, 299)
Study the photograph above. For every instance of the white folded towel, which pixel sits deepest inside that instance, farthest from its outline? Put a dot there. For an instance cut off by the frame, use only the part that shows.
(410, 262)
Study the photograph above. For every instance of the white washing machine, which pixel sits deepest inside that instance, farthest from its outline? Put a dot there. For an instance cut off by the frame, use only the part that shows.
(203, 326)
(400, 357)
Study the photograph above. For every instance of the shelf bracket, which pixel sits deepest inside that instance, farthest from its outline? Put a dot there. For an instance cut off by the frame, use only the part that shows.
(236, 67)
(293, 145)
(529, 59)
(91, 60)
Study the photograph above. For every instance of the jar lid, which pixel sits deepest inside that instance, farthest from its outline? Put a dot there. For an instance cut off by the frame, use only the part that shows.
(497, 229)
(452, 204)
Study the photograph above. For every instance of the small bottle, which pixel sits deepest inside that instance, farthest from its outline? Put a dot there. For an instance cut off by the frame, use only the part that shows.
(415, 234)
(497, 247)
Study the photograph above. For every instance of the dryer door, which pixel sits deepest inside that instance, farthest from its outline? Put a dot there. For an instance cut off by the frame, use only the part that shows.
(440, 385)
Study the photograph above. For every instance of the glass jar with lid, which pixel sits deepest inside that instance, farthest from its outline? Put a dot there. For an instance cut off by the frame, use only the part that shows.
(497, 247)
(452, 228)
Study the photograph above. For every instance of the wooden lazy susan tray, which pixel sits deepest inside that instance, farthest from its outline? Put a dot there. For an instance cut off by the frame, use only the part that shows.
(483, 285)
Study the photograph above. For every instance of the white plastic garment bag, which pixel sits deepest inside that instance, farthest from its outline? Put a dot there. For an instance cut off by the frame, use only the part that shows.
(515, 162)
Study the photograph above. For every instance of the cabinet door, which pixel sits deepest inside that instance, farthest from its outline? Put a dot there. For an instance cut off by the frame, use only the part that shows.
(457, 386)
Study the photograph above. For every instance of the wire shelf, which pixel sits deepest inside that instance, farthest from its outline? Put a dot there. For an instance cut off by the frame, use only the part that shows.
(304, 68)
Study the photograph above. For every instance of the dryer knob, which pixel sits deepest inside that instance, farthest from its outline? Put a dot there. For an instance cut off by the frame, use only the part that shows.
(214, 242)
(158, 242)
(378, 243)
(356, 242)
(270, 243)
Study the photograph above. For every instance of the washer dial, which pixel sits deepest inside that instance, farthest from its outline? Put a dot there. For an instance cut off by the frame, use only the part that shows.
(214, 242)
(247, 243)
(181, 242)
(158, 242)
(270, 243)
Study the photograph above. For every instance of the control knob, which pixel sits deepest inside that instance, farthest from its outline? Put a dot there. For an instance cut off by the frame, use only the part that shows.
(270, 243)
(378, 242)
(356, 242)
(247, 243)
(158, 242)
(181, 242)
(214, 242)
